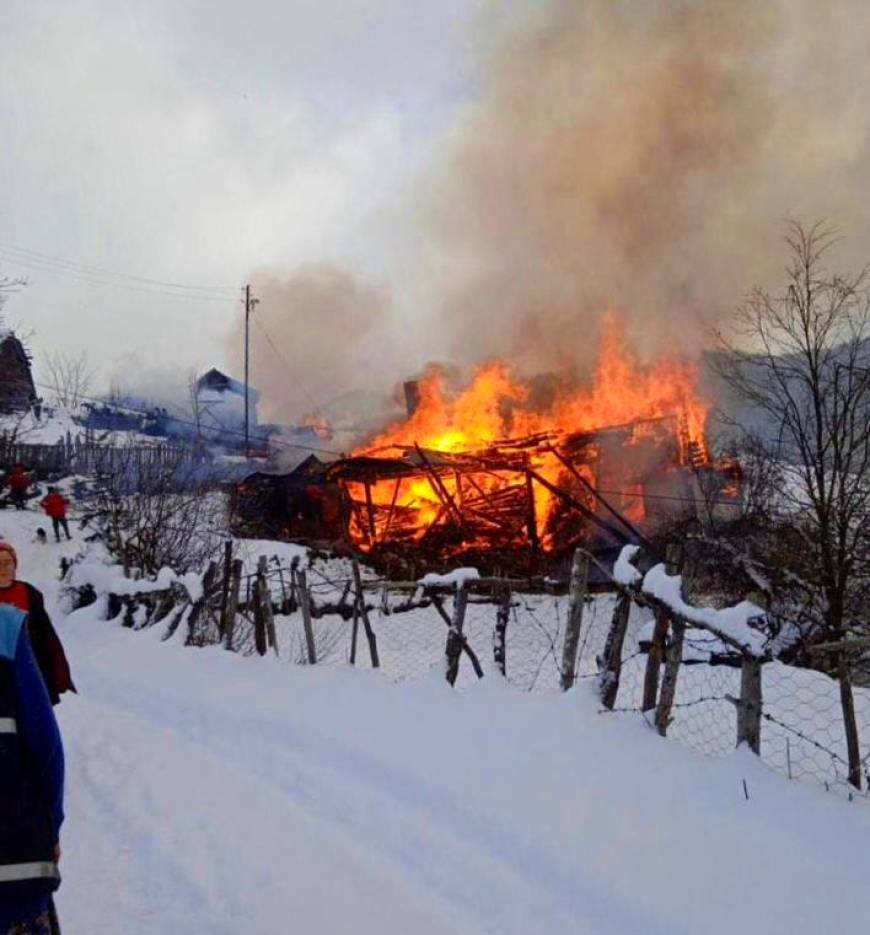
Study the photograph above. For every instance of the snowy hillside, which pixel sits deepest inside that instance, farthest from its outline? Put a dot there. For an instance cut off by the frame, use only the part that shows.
(215, 793)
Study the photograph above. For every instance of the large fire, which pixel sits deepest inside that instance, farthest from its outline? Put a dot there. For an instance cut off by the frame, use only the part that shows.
(484, 451)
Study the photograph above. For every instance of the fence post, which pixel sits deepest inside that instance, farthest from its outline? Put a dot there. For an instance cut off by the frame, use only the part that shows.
(454, 634)
(673, 659)
(499, 636)
(233, 603)
(225, 585)
(198, 606)
(656, 655)
(259, 609)
(850, 721)
(750, 705)
(266, 610)
(354, 633)
(611, 670)
(364, 613)
(577, 591)
(305, 605)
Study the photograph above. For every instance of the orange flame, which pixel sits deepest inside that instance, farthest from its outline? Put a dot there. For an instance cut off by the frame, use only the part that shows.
(495, 406)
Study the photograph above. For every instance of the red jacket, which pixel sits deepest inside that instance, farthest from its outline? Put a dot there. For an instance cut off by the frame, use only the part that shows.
(55, 505)
(46, 645)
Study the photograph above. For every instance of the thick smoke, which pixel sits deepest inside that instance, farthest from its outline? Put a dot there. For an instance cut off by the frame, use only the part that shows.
(629, 155)
(640, 155)
(317, 333)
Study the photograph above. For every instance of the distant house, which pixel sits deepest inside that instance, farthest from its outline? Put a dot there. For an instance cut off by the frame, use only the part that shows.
(17, 391)
(221, 401)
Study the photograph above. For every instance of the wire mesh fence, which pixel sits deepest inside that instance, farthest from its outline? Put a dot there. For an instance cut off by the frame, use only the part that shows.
(333, 618)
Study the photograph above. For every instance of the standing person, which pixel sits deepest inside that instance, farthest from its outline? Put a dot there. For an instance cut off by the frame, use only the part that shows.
(18, 482)
(31, 787)
(46, 646)
(55, 505)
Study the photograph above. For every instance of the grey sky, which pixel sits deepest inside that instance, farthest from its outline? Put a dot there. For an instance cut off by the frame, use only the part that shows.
(193, 141)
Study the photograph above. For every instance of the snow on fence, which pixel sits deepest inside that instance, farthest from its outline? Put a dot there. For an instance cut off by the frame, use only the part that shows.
(700, 677)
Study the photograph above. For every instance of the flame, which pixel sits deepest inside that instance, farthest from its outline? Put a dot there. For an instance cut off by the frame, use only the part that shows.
(496, 406)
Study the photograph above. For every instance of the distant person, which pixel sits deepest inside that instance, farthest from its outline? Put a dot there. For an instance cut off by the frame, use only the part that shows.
(47, 647)
(55, 505)
(31, 787)
(18, 482)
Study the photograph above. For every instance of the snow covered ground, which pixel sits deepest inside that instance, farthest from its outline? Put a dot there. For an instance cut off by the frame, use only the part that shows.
(215, 793)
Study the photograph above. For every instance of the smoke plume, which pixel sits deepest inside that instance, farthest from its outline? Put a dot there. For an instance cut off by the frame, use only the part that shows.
(627, 155)
(640, 155)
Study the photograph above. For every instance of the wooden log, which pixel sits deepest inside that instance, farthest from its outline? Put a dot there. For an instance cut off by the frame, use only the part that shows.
(611, 664)
(364, 614)
(233, 603)
(453, 648)
(305, 605)
(749, 706)
(577, 591)
(531, 515)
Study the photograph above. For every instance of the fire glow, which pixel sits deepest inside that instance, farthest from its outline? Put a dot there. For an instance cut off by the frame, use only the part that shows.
(487, 469)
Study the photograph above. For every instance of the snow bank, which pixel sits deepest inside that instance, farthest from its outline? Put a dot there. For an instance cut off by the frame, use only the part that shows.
(456, 578)
(110, 579)
(733, 622)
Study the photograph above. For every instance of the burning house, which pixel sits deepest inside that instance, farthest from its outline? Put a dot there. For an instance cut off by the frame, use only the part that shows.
(488, 477)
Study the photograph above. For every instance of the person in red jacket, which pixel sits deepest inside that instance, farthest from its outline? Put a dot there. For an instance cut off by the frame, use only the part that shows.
(47, 646)
(18, 481)
(55, 506)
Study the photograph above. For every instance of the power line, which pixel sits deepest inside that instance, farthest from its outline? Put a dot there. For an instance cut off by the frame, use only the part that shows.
(63, 272)
(87, 269)
(290, 372)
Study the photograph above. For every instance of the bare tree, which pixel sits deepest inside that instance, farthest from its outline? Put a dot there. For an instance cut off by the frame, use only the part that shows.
(70, 378)
(801, 359)
(158, 510)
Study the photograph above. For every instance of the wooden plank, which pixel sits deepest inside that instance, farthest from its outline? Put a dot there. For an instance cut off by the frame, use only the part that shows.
(611, 669)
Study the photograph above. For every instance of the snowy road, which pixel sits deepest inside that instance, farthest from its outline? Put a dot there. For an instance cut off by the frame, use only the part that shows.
(212, 793)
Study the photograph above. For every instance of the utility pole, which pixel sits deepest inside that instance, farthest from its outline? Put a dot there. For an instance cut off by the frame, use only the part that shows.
(250, 302)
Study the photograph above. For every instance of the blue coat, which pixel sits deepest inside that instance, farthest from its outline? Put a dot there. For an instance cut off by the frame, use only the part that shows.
(31, 778)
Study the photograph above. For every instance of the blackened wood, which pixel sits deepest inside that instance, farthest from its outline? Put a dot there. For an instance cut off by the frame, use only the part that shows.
(577, 592)
(531, 515)
(656, 656)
